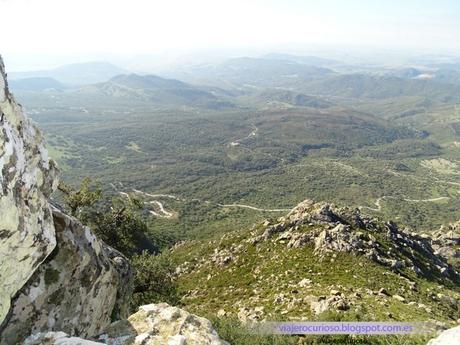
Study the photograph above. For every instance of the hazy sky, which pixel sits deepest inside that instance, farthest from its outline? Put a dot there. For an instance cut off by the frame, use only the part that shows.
(66, 27)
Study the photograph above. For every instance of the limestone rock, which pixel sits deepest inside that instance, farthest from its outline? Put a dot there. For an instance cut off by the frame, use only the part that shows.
(333, 230)
(334, 302)
(159, 324)
(56, 338)
(340, 238)
(78, 289)
(153, 324)
(27, 178)
(55, 274)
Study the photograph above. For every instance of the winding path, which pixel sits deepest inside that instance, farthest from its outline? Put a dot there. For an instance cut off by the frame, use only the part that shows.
(250, 135)
(163, 213)
(255, 208)
(379, 205)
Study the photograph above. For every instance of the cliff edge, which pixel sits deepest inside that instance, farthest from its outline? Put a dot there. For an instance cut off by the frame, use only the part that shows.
(54, 273)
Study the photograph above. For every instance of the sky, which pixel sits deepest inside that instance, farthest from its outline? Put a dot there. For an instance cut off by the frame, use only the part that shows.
(46, 30)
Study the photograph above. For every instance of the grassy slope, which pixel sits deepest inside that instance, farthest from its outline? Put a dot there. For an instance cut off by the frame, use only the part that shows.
(264, 271)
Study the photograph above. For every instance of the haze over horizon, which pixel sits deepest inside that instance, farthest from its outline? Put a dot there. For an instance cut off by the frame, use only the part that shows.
(90, 30)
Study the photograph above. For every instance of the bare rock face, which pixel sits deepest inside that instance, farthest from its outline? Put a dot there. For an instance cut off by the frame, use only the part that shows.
(27, 178)
(55, 274)
(153, 324)
(82, 286)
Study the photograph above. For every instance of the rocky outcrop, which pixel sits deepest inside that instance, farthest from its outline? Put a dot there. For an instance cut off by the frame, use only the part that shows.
(330, 229)
(55, 274)
(153, 324)
(156, 324)
(27, 178)
(446, 242)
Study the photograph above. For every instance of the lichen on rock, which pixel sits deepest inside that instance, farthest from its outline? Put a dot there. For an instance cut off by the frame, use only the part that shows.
(153, 324)
(156, 324)
(27, 179)
(55, 274)
(78, 289)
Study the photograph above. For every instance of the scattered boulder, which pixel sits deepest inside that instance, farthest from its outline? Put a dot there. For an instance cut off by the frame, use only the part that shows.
(399, 298)
(335, 302)
(162, 324)
(305, 282)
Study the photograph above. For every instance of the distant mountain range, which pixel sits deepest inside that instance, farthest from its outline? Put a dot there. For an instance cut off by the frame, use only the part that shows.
(306, 60)
(74, 74)
(253, 73)
(280, 80)
(286, 98)
(359, 85)
(124, 89)
(35, 84)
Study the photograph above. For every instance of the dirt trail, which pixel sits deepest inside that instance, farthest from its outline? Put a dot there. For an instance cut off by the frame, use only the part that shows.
(379, 200)
(428, 200)
(250, 135)
(255, 208)
(163, 213)
(376, 203)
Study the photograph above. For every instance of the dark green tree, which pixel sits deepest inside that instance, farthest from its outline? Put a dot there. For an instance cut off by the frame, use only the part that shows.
(119, 223)
(154, 279)
(76, 199)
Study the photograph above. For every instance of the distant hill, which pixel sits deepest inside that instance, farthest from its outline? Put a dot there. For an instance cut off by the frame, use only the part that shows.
(359, 85)
(149, 82)
(287, 98)
(35, 84)
(307, 60)
(256, 72)
(448, 75)
(409, 72)
(75, 74)
(161, 91)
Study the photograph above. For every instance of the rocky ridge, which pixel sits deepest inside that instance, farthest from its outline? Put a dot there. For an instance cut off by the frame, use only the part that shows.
(346, 230)
(318, 259)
